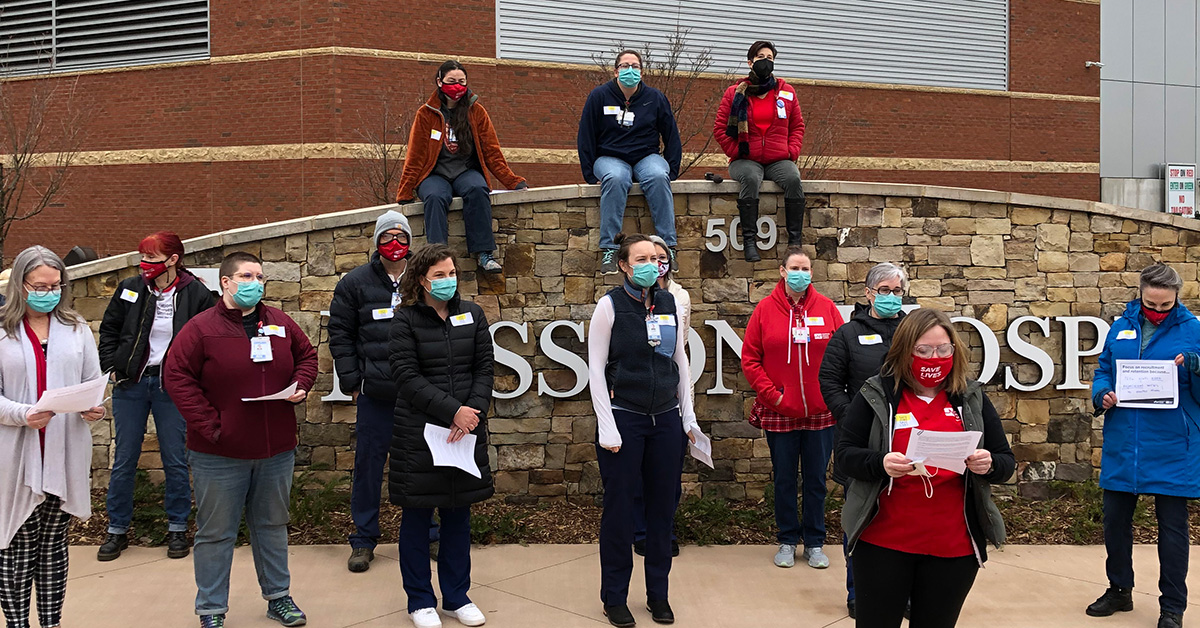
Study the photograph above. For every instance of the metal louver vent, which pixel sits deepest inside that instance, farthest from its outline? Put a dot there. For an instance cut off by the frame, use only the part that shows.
(63, 35)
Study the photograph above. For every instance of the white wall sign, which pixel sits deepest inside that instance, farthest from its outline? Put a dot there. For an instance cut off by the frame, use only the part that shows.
(1181, 189)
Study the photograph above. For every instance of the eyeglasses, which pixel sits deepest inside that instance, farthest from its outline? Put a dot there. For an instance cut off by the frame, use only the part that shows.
(885, 291)
(260, 278)
(43, 290)
(928, 351)
(454, 82)
(626, 66)
(388, 238)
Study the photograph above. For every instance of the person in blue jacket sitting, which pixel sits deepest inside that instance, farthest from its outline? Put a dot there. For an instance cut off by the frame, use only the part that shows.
(1150, 451)
(620, 131)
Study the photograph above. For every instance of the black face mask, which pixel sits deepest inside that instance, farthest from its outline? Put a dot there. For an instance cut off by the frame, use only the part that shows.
(763, 68)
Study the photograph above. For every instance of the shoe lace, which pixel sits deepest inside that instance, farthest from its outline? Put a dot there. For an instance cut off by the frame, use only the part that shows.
(285, 606)
(609, 254)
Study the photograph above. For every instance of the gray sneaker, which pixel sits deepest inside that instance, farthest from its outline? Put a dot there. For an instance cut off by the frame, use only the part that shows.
(674, 262)
(786, 556)
(816, 557)
(608, 263)
(488, 264)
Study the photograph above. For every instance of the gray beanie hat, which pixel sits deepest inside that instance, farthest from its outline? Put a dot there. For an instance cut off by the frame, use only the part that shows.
(392, 219)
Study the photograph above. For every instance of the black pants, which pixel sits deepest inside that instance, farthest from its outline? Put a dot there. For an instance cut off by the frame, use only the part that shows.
(1173, 538)
(37, 554)
(885, 580)
(649, 456)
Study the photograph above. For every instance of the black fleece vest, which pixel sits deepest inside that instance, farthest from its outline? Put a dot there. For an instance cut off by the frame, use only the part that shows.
(640, 378)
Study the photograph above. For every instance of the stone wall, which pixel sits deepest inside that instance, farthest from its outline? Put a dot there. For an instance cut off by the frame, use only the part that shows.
(991, 256)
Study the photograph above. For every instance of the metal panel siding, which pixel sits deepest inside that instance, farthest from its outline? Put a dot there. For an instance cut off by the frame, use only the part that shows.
(1181, 119)
(1116, 40)
(1116, 129)
(1149, 41)
(1149, 129)
(955, 43)
(1181, 43)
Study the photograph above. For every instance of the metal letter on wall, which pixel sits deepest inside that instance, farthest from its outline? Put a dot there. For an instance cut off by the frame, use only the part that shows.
(512, 360)
(991, 347)
(725, 334)
(1071, 348)
(569, 359)
(1026, 350)
(334, 395)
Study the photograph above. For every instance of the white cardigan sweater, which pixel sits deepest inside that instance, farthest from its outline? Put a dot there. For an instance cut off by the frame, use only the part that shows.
(25, 478)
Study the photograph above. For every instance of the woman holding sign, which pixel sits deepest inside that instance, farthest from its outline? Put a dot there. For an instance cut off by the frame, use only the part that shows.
(44, 345)
(908, 536)
(638, 373)
(1149, 451)
(441, 358)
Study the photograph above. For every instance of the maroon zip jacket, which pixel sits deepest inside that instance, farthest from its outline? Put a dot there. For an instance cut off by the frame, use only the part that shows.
(208, 371)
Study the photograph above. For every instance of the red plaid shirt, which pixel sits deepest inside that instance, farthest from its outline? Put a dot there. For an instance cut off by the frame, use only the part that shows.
(768, 419)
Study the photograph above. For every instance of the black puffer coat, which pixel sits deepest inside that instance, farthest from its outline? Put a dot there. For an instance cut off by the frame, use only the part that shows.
(438, 366)
(853, 356)
(360, 319)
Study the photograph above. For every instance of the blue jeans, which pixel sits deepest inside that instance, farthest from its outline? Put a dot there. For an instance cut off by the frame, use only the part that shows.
(225, 488)
(454, 557)
(1173, 535)
(616, 177)
(806, 452)
(132, 404)
(437, 193)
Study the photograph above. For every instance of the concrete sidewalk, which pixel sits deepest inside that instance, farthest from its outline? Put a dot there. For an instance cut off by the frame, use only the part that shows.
(556, 586)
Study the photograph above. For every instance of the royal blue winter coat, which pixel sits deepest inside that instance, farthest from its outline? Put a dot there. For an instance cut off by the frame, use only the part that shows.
(1154, 452)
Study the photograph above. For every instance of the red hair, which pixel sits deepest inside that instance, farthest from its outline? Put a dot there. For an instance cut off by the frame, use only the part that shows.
(163, 243)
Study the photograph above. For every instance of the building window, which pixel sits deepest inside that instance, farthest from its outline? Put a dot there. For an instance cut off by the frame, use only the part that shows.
(38, 36)
(950, 43)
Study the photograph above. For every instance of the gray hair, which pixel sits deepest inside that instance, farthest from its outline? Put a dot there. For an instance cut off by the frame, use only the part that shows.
(13, 311)
(882, 272)
(1161, 276)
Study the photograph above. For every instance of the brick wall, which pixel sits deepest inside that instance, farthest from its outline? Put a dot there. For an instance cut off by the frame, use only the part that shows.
(991, 256)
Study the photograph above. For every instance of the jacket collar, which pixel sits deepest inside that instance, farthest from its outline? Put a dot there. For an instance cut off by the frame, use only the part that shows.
(453, 306)
(183, 278)
(862, 314)
(615, 88)
(1179, 314)
(435, 100)
(235, 314)
(784, 302)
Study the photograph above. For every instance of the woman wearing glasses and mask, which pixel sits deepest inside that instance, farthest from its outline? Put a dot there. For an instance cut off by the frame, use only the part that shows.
(916, 531)
(855, 354)
(44, 457)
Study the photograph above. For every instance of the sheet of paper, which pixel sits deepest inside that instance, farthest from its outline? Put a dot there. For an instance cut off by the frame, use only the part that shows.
(702, 449)
(1147, 384)
(944, 450)
(460, 455)
(279, 396)
(77, 398)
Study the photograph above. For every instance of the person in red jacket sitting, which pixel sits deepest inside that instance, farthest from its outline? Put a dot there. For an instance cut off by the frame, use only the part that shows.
(781, 357)
(242, 453)
(761, 129)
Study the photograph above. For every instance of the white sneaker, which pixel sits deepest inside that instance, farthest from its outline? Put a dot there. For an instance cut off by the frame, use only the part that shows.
(816, 557)
(468, 615)
(426, 618)
(786, 556)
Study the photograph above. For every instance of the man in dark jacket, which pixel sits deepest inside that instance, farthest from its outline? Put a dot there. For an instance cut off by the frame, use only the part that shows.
(622, 124)
(855, 354)
(360, 316)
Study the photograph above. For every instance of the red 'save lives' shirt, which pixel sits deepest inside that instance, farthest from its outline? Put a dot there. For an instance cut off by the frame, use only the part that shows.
(908, 521)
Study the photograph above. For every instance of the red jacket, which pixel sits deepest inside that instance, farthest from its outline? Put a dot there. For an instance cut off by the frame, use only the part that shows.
(782, 140)
(775, 365)
(208, 371)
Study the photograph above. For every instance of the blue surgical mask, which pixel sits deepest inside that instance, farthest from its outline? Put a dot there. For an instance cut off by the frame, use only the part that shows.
(887, 305)
(645, 275)
(629, 77)
(44, 302)
(798, 280)
(248, 294)
(443, 289)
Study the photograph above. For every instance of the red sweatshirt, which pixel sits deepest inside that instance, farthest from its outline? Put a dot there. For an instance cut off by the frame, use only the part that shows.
(208, 371)
(772, 361)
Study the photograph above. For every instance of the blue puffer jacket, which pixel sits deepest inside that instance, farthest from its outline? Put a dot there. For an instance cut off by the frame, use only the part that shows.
(1151, 451)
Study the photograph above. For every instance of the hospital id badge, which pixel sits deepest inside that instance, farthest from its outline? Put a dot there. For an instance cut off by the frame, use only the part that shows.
(396, 299)
(800, 335)
(653, 333)
(260, 350)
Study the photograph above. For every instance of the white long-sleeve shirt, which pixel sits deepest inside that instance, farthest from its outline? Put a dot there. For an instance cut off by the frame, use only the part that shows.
(599, 338)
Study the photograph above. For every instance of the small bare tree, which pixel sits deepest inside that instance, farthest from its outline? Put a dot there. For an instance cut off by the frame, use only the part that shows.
(41, 130)
(376, 171)
(823, 121)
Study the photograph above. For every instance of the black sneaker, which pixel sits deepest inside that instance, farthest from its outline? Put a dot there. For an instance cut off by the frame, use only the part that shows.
(112, 547)
(619, 616)
(850, 609)
(908, 610)
(360, 559)
(639, 547)
(608, 264)
(1114, 600)
(212, 621)
(1170, 620)
(178, 545)
(660, 611)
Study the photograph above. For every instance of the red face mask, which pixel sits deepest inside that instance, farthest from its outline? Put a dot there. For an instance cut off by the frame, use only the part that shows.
(151, 270)
(454, 90)
(1154, 316)
(393, 250)
(931, 371)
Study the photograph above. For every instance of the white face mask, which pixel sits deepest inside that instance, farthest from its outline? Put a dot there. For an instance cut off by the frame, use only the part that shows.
(920, 470)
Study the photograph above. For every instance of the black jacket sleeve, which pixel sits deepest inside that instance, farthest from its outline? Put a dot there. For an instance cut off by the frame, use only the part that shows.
(110, 329)
(835, 372)
(672, 144)
(343, 336)
(854, 457)
(483, 380)
(585, 140)
(995, 441)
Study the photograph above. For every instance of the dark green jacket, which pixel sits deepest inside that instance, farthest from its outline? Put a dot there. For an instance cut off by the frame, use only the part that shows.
(864, 442)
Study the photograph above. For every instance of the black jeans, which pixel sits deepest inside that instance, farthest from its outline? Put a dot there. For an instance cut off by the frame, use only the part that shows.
(1173, 538)
(885, 580)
